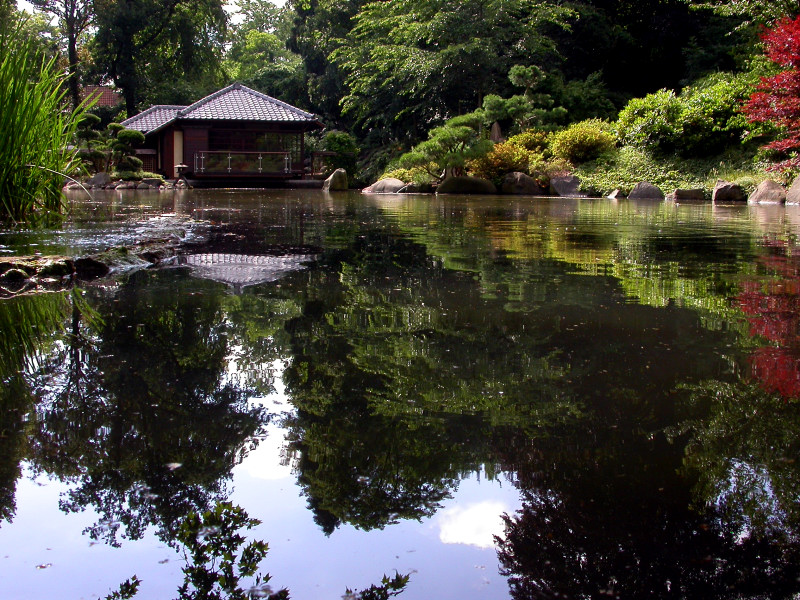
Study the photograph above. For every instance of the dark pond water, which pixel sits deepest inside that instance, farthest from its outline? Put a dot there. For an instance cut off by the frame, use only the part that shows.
(527, 398)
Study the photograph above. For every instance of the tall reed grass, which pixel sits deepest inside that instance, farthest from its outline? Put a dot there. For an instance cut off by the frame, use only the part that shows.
(36, 129)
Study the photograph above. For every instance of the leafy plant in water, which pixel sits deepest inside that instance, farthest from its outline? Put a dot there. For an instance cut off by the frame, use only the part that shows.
(216, 558)
(35, 129)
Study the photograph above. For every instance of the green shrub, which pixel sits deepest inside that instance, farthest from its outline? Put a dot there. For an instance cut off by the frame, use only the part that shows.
(703, 120)
(535, 140)
(130, 137)
(583, 141)
(128, 175)
(651, 122)
(545, 169)
(624, 168)
(711, 119)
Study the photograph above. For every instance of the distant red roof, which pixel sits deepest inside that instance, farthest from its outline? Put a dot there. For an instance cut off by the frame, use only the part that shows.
(106, 95)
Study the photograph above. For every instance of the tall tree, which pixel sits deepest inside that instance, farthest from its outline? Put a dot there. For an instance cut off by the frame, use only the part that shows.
(142, 43)
(317, 25)
(258, 55)
(74, 17)
(412, 63)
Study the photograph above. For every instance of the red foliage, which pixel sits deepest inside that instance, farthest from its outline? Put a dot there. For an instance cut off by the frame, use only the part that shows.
(777, 99)
(773, 310)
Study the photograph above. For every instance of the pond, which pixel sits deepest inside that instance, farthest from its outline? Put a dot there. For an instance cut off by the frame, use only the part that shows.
(499, 397)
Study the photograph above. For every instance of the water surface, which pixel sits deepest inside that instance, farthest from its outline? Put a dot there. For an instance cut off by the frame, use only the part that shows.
(502, 397)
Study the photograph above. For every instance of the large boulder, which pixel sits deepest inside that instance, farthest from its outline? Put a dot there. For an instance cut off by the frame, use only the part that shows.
(566, 186)
(726, 192)
(390, 185)
(768, 192)
(337, 182)
(520, 184)
(644, 190)
(466, 185)
(793, 194)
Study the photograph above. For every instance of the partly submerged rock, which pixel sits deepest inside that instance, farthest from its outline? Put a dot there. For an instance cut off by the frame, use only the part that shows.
(520, 184)
(466, 185)
(390, 185)
(566, 186)
(687, 195)
(644, 190)
(793, 194)
(768, 192)
(337, 182)
(726, 192)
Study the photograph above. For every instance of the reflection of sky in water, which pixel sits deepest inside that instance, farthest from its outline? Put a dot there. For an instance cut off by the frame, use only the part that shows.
(449, 555)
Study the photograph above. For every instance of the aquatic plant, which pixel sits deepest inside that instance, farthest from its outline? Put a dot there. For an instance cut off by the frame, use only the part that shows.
(36, 129)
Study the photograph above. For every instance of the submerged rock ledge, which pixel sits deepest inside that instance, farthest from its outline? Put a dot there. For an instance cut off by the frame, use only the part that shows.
(36, 274)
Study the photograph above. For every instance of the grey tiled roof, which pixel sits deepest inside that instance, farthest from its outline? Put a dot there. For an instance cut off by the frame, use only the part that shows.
(153, 118)
(235, 102)
(242, 103)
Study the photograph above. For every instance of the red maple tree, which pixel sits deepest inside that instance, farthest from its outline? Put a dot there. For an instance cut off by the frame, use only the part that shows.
(777, 99)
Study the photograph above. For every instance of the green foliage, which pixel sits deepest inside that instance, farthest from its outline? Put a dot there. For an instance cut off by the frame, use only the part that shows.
(411, 63)
(505, 157)
(159, 51)
(449, 147)
(535, 140)
(702, 120)
(758, 11)
(346, 149)
(218, 558)
(651, 122)
(35, 129)
(583, 141)
(420, 174)
(627, 166)
(258, 56)
(123, 150)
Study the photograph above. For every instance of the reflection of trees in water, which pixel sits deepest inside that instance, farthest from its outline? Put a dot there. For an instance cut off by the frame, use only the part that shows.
(773, 311)
(134, 413)
(616, 520)
(28, 328)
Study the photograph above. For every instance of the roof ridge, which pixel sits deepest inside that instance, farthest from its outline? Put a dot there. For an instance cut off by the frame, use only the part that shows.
(192, 107)
(186, 111)
(275, 100)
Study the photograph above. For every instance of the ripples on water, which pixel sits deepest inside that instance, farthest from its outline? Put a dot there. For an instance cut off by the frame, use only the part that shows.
(388, 382)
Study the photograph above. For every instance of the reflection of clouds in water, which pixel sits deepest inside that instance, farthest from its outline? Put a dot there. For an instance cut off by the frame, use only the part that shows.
(268, 460)
(474, 525)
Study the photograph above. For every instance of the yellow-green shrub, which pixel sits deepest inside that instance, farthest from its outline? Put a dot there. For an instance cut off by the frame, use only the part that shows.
(583, 141)
(505, 157)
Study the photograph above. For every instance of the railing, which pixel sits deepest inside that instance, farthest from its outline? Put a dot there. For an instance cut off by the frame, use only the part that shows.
(242, 163)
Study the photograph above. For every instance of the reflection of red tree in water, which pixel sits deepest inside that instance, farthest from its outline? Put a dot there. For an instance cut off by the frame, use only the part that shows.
(774, 314)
